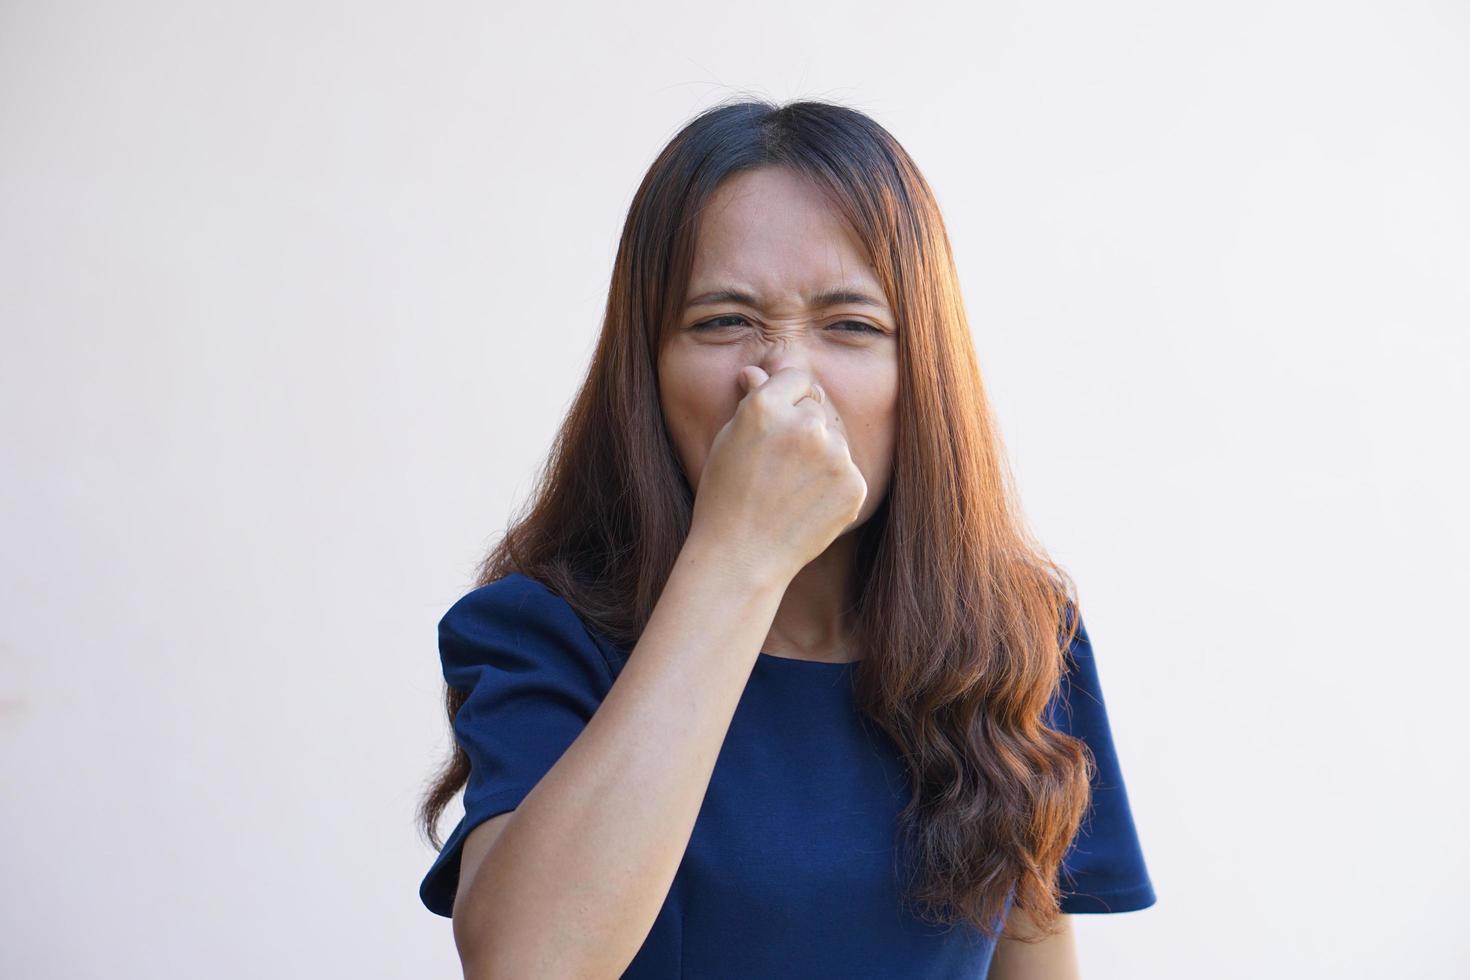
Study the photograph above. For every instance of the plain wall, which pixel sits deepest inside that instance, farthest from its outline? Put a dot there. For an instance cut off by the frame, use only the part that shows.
(294, 295)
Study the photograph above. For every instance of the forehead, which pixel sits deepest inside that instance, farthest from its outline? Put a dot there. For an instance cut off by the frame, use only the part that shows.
(775, 232)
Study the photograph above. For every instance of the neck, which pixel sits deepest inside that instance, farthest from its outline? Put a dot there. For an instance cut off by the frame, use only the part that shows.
(813, 621)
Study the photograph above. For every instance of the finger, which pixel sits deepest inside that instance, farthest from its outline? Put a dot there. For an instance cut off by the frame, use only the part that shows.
(793, 384)
(751, 377)
(825, 409)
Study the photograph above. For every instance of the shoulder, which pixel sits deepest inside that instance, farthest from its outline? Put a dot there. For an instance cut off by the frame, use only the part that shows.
(1077, 705)
(516, 623)
(514, 595)
(1074, 632)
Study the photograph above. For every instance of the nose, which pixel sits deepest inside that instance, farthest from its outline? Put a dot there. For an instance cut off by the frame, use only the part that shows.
(782, 352)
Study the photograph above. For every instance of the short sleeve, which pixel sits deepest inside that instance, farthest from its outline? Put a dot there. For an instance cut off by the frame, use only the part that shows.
(1103, 869)
(534, 676)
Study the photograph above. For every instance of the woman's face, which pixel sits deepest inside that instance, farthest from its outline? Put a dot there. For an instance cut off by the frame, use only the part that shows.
(770, 235)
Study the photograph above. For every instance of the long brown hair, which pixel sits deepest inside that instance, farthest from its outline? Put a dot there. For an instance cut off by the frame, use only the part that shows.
(965, 619)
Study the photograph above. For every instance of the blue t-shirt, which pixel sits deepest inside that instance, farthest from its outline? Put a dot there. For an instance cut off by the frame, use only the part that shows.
(793, 868)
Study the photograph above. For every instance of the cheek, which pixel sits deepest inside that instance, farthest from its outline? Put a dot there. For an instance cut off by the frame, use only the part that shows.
(869, 393)
(694, 400)
(870, 415)
(697, 396)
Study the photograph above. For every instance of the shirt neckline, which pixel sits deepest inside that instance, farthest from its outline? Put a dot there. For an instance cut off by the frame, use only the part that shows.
(815, 663)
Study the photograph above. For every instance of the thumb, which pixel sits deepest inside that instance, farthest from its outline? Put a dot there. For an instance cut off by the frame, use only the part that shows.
(752, 376)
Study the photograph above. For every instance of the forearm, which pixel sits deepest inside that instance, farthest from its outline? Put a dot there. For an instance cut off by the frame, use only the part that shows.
(573, 885)
(1051, 958)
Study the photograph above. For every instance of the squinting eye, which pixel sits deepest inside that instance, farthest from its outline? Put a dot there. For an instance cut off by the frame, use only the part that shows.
(859, 324)
(716, 321)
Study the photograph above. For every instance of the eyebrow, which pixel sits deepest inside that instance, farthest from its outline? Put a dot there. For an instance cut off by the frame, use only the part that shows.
(836, 296)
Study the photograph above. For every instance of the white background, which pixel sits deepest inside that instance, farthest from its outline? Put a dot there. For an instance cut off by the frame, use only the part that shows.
(294, 295)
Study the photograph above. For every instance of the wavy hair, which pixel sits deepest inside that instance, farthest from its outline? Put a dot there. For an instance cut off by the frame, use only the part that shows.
(965, 620)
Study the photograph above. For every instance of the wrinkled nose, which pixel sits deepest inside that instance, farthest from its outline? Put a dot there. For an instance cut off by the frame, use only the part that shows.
(785, 350)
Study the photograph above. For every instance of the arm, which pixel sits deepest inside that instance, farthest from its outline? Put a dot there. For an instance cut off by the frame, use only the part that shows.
(1052, 958)
(572, 882)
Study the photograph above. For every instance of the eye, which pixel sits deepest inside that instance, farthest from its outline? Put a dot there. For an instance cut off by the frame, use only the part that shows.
(716, 321)
(858, 324)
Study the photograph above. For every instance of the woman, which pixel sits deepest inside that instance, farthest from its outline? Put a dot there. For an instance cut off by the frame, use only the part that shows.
(771, 680)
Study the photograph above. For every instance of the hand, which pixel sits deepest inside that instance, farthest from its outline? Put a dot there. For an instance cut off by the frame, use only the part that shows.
(779, 484)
